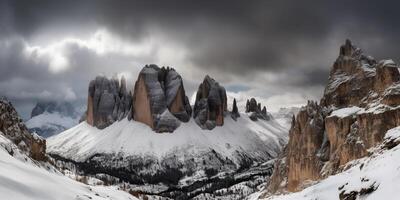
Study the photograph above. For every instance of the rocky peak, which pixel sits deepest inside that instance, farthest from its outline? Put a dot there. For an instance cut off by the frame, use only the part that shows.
(14, 129)
(235, 111)
(359, 105)
(359, 80)
(255, 109)
(210, 105)
(64, 108)
(159, 99)
(108, 101)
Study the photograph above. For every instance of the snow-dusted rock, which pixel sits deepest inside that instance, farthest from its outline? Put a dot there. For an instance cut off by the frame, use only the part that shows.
(211, 104)
(255, 110)
(369, 178)
(362, 96)
(14, 129)
(108, 101)
(158, 90)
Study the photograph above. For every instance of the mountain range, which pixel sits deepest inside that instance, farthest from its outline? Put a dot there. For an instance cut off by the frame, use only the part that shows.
(152, 142)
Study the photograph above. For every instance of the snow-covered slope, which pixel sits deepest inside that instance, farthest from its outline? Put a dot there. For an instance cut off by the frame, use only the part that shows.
(284, 116)
(369, 178)
(48, 124)
(134, 138)
(23, 179)
(181, 164)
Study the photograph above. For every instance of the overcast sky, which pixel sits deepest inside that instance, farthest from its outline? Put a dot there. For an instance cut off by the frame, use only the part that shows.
(278, 50)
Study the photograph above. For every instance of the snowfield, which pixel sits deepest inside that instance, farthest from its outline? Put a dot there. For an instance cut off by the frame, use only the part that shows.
(135, 138)
(379, 172)
(24, 179)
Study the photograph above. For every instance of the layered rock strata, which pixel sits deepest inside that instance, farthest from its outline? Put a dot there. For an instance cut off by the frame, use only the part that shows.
(159, 99)
(360, 103)
(210, 105)
(14, 129)
(108, 101)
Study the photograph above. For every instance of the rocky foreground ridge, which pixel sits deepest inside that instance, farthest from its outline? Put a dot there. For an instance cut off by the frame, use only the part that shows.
(360, 103)
(13, 128)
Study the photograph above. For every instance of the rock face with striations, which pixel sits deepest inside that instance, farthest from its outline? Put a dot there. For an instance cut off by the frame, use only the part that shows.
(210, 105)
(14, 129)
(359, 105)
(255, 109)
(159, 99)
(108, 101)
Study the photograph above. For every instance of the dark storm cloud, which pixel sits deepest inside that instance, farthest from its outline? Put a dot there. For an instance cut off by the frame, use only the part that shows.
(237, 41)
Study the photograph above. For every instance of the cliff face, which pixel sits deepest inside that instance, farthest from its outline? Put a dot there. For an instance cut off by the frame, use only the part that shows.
(108, 101)
(360, 103)
(255, 109)
(210, 105)
(159, 99)
(14, 129)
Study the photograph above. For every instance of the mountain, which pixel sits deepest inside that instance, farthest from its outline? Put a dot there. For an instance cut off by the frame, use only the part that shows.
(163, 151)
(50, 118)
(284, 116)
(372, 177)
(359, 105)
(27, 172)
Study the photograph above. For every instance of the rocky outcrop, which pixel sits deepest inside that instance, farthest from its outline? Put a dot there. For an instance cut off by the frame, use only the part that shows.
(108, 101)
(14, 129)
(255, 109)
(210, 105)
(159, 99)
(360, 103)
(235, 111)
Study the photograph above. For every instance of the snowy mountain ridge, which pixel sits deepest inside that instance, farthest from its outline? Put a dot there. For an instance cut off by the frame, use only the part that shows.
(192, 153)
(51, 118)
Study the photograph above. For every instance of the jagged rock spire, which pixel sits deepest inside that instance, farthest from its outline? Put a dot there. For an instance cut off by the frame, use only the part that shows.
(210, 105)
(159, 99)
(256, 111)
(235, 112)
(108, 101)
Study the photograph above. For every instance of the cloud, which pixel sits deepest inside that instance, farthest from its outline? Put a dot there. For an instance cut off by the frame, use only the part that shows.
(273, 49)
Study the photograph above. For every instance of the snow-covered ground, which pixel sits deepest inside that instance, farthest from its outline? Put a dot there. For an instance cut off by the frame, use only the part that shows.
(379, 172)
(24, 179)
(135, 138)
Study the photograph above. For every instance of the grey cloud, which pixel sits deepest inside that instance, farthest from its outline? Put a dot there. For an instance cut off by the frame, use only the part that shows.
(236, 42)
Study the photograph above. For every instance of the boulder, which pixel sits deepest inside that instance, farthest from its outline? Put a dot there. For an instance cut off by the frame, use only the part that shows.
(159, 94)
(108, 101)
(210, 105)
